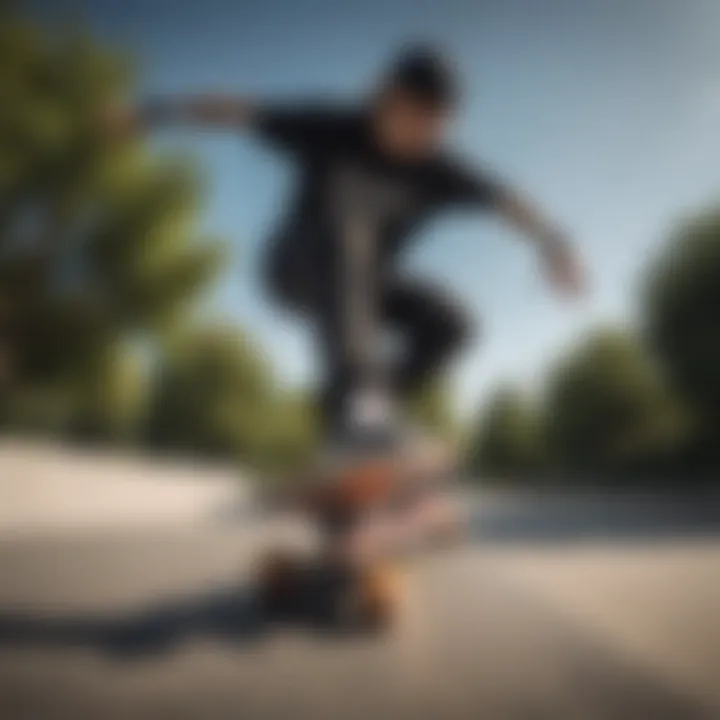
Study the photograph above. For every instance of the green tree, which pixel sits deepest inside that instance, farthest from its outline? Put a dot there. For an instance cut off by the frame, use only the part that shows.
(607, 408)
(292, 432)
(508, 443)
(99, 248)
(213, 394)
(432, 409)
(681, 301)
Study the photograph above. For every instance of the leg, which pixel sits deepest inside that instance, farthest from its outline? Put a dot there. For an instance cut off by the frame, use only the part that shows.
(299, 278)
(332, 288)
(432, 326)
(347, 315)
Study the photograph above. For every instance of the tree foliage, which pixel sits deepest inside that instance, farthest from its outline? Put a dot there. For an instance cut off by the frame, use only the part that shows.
(681, 301)
(508, 441)
(211, 393)
(607, 406)
(433, 409)
(98, 239)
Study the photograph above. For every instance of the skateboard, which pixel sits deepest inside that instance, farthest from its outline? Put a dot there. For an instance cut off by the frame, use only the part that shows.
(329, 586)
(329, 593)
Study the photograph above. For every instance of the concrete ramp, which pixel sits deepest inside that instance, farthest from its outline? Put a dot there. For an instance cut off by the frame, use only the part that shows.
(52, 487)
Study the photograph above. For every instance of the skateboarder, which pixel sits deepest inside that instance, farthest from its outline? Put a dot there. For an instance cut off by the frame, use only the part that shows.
(370, 176)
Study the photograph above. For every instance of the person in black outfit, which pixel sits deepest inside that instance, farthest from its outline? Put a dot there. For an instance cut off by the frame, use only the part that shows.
(370, 176)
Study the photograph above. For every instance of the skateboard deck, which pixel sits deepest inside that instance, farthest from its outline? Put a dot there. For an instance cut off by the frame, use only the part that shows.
(365, 483)
(321, 586)
(361, 595)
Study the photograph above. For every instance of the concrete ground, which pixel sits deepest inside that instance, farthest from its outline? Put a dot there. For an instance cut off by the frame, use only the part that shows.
(556, 607)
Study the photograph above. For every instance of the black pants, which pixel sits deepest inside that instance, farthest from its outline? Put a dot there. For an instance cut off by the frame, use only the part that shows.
(428, 326)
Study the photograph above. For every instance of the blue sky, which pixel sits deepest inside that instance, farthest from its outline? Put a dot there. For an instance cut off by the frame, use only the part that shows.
(605, 111)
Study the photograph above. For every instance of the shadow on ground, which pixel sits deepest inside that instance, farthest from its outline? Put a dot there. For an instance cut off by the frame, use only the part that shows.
(230, 614)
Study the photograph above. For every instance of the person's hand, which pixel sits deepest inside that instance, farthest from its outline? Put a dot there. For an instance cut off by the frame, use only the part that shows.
(563, 268)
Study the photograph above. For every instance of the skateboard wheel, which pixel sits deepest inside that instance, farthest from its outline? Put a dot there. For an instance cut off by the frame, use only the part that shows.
(380, 596)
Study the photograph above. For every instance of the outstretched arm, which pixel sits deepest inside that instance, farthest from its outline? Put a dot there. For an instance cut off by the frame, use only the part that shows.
(478, 188)
(559, 258)
(292, 128)
(204, 110)
(216, 111)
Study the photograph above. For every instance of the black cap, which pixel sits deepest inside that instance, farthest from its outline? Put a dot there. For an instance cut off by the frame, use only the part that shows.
(425, 73)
